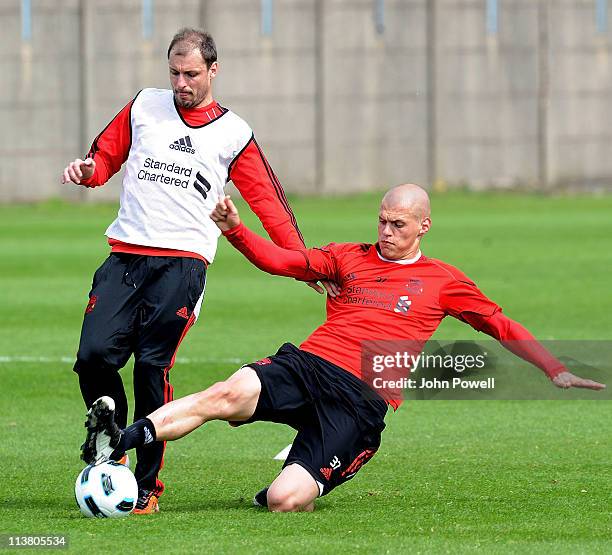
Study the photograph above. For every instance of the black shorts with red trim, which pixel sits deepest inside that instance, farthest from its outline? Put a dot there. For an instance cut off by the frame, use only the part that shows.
(338, 418)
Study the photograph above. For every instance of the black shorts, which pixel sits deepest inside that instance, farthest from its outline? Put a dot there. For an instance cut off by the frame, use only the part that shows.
(338, 418)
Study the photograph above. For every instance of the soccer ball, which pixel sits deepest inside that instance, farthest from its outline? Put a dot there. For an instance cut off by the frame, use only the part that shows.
(106, 490)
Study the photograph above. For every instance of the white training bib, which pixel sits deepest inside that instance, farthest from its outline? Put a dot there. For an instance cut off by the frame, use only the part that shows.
(175, 174)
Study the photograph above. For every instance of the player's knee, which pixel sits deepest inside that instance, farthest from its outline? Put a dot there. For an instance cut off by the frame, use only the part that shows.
(288, 496)
(284, 502)
(92, 357)
(222, 396)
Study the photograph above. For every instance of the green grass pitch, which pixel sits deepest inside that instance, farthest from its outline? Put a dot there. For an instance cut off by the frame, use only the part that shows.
(451, 476)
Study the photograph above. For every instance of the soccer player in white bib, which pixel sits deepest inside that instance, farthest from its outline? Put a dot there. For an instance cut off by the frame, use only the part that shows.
(180, 147)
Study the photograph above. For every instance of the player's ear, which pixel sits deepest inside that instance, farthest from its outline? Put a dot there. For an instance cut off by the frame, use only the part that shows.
(425, 226)
(213, 69)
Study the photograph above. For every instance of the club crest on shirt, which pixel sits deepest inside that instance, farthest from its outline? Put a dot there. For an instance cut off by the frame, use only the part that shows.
(414, 286)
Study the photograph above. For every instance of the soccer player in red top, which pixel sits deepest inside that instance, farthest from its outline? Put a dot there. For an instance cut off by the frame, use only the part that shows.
(389, 290)
(180, 147)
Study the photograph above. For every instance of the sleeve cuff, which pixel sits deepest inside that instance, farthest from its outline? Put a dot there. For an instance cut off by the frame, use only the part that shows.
(554, 372)
(237, 230)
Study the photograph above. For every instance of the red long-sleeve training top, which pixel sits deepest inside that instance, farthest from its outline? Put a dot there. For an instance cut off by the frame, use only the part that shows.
(387, 300)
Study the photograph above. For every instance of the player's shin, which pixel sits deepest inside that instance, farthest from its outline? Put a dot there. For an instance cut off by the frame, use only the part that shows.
(178, 418)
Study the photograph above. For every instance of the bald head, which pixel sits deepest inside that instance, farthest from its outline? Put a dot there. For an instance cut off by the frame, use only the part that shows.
(403, 220)
(409, 197)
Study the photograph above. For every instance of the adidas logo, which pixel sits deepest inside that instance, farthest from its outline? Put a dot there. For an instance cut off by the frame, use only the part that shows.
(148, 436)
(182, 312)
(184, 145)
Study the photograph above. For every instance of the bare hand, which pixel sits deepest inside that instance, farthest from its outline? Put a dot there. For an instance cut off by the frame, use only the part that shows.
(566, 380)
(331, 287)
(78, 170)
(225, 214)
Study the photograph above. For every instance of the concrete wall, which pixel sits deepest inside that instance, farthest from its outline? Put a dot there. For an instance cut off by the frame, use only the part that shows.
(338, 104)
(486, 127)
(579, 121)
(39, 99)
(374, 95)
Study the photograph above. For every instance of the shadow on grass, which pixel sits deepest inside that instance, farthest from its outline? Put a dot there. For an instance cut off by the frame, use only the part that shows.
(213, 505)
(208, 505)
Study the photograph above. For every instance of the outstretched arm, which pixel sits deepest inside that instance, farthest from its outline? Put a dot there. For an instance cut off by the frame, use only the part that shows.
(304, 264)
(253, 176)
(518, 340)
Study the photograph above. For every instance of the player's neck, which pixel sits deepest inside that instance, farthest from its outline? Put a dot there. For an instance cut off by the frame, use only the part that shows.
(409, 259)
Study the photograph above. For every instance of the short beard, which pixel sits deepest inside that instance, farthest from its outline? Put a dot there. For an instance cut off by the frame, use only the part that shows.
(186, 103)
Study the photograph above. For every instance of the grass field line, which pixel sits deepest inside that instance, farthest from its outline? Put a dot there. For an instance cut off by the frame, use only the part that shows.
(27, 359)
